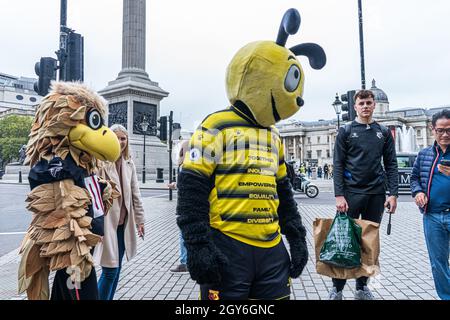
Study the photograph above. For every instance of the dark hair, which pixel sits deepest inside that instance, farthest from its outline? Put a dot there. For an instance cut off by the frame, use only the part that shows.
(364, 94)
(445, 113)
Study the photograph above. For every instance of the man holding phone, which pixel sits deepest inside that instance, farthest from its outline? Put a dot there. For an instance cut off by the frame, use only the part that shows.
(430, 183)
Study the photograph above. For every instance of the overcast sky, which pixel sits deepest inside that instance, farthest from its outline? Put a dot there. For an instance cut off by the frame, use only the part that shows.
(190, 43)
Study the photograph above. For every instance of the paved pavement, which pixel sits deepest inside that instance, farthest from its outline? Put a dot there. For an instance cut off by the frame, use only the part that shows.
(405, 269)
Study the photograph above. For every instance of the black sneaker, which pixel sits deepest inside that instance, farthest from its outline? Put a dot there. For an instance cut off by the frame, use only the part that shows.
(181, 268)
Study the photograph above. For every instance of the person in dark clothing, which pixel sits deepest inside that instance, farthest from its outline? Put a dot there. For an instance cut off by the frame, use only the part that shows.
(430, 180)
(325, 171)
(359, 178)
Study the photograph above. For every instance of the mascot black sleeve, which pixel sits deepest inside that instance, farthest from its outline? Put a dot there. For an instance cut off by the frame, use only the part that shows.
(292, 227)
(203, 258)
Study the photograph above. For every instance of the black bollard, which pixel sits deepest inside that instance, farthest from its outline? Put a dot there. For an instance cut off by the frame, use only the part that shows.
(159, 175)
(20, 176)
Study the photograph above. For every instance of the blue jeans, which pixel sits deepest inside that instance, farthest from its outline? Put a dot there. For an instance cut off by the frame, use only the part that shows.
(109, 279)
(437, 229)
(183, 251)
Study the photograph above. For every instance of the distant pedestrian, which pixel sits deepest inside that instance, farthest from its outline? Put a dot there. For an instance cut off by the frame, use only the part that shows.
(319, 172)
(309, 172)
(325, 171)
(430, 184)
(302, 169)
(182, 266)
(125, 217)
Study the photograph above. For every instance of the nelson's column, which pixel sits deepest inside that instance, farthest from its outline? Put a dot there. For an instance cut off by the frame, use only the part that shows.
(133, 98)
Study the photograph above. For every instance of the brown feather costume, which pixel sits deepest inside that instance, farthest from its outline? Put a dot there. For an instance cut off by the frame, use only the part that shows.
(59, 236)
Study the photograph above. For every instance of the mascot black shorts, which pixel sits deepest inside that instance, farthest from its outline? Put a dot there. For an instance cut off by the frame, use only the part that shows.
(252, 272)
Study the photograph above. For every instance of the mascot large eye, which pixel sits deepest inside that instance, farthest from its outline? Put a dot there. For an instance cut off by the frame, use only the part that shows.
(292, 78)
(94, 119)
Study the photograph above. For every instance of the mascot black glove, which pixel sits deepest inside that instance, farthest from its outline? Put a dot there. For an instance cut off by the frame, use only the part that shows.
(204, 260)
(292, 227)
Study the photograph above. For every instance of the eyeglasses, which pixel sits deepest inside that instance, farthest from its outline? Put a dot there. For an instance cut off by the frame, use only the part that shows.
(440, 131)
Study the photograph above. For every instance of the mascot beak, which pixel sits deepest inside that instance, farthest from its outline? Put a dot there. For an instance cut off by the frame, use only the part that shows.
(101, 143)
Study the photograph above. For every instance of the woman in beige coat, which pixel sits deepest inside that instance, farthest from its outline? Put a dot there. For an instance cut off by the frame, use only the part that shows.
(121, 222)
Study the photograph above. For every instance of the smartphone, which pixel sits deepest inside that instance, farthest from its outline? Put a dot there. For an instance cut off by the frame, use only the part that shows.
(445, 162)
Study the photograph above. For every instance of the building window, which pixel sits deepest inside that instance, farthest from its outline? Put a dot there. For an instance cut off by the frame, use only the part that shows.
(319, 154)
(318, 140)
(33, 99)
(328, 139)
(19, 97)
(308, 154)
(328, 153)
(309, 140)
(418, 132)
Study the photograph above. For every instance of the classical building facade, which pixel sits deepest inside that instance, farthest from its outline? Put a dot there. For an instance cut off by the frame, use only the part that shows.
(313, 142)
(17, 96)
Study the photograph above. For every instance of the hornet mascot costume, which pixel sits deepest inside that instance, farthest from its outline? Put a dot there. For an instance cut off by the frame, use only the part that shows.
(235, 199)
(67, 200)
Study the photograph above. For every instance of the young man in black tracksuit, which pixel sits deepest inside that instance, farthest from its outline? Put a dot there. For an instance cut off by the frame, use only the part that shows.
(359, 178)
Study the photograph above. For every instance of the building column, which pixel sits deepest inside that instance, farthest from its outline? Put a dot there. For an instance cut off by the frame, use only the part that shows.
(330, 138)
(425, 136)
(302, 157)
(295, 147)
(285, 148)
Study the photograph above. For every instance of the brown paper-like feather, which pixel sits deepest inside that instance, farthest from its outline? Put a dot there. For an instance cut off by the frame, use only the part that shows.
(34, 263)
(60, 261)
(77, 213)
(61, 234)
(39, 286)
(54, 221)
(84, 222)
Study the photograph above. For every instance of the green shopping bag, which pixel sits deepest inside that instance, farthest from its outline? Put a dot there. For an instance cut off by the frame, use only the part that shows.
(342, 247)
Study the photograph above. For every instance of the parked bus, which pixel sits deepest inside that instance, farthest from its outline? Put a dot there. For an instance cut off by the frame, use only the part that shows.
(405, 162)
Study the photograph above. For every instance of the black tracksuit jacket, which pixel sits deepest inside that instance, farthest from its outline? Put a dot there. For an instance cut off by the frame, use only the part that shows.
(357, 160)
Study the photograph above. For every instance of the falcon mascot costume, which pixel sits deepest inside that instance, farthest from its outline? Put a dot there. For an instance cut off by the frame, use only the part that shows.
(235, 199)
(67, 200)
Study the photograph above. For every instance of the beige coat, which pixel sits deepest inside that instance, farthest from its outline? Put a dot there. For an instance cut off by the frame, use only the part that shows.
(107, 253)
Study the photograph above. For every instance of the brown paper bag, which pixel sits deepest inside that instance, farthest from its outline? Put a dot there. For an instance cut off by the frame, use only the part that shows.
(370, 250)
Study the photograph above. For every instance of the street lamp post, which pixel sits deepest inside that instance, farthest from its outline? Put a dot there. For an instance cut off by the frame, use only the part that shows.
(337, 105)
(144, 127)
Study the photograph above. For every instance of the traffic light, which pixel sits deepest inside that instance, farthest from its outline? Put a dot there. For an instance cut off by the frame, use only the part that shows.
(73, 66)
(348, 106)
(161, 129)
(46, 70)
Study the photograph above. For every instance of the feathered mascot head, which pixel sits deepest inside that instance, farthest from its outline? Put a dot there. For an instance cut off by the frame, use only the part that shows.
(70, 120)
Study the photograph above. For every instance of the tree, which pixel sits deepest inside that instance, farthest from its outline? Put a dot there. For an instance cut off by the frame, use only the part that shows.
(14, 131)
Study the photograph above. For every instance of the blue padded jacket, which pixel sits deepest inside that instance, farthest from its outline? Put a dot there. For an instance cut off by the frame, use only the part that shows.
(422, 172)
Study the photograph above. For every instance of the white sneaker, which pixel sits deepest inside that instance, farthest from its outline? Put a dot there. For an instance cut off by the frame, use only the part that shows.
(334, 294)
(364, 294)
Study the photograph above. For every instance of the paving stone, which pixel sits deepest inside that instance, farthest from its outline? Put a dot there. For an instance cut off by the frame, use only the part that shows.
(405, 268)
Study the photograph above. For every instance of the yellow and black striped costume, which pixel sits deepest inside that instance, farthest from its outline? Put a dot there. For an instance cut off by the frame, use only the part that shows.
(234, 197)
(244, 162)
